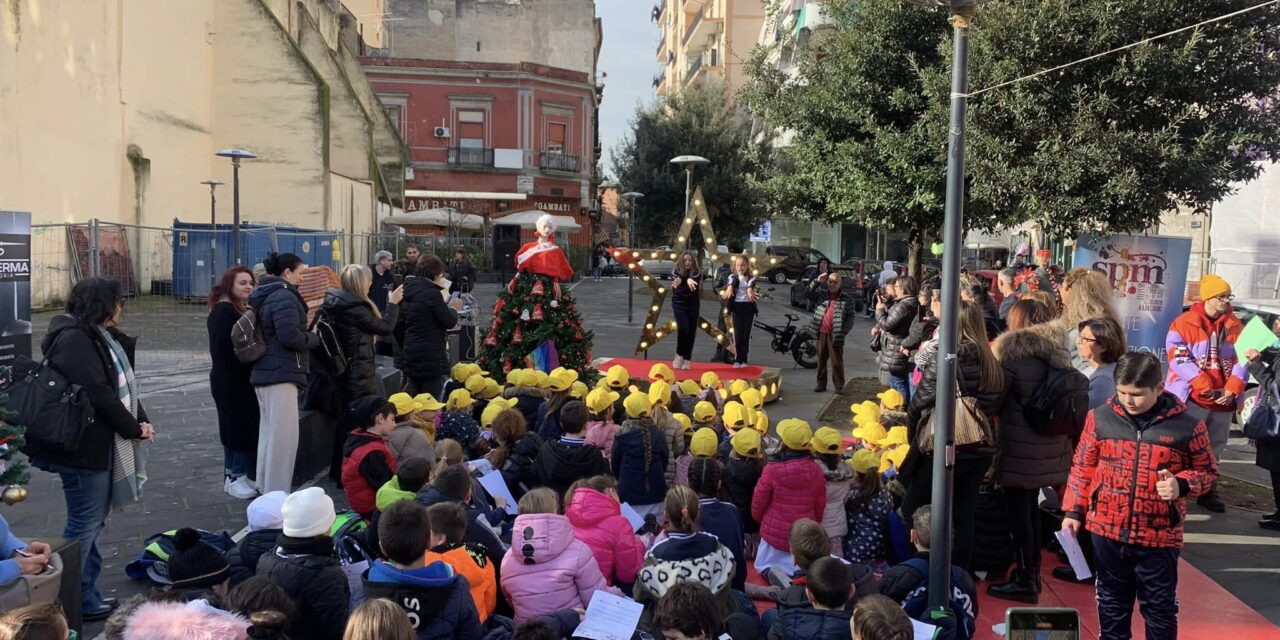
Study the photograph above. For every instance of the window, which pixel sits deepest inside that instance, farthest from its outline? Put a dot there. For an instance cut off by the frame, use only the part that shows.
(471, 130)
(555, 137)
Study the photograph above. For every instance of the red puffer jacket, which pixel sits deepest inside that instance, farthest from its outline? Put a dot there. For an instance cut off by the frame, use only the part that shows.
(790, 488)
(1113, 479)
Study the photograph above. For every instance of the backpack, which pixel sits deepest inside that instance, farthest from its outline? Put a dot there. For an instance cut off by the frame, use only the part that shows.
(153, 562)
(246, 337)
(1060, 404)
(962, 625)
(329, 354)
(352, 549)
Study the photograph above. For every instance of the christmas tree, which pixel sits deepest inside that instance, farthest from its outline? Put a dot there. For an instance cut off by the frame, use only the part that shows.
(13, 471)
(531, 316)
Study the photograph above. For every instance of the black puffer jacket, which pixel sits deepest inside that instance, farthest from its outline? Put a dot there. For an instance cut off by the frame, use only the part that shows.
(356, 325)
(920, 408)
(559, 465)
(517, 470)
(243, 557)
(895, 327)
(811, 624)
(282, 315)
(427, 318)
(1027, 459)
(740, 479)
(307, 570)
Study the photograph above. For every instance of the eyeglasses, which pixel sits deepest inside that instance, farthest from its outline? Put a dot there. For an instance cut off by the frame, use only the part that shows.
(1084, 339)
(1226, 297)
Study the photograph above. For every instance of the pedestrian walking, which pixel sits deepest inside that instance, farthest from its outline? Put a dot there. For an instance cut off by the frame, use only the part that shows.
(686, 281)
(831, 322)
(233, 395)
(427, 319)
(741, 293)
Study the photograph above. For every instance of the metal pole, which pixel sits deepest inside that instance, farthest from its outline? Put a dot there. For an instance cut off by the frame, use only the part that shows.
(95, 249)
(631, 240)
(943, 436)
(235, 231)
(213, 235)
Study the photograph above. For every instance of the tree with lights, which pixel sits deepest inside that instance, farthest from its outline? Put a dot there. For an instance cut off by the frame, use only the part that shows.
(13, 472)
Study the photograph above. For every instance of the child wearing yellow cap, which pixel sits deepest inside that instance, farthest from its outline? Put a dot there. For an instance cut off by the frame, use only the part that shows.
(560, 384)
(791, 488)
(528, 395)
(827, 446)
(681, 476)
(866, 511)
(601, 428)
(741, 475)
(457, 424)
(660, 398)
(639, 459)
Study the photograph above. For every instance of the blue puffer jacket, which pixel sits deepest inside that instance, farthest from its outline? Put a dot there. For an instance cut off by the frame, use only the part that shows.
(283, 317)
(811, 624)
(637, 484)
(437, 600)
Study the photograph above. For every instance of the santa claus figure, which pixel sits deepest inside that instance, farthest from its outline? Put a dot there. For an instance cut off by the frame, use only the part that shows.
(543, 257)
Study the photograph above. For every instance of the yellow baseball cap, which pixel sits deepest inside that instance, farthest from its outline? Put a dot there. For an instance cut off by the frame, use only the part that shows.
(491, 389)
(685, 424)
(495, 407)
(572, 374)
(795, 433)
(737, 387)
(617, 377)
(709, 380)
(891, 399)
(475, 383)
(759, 420)
(826, 440)
(689, 388)
(746, 443)
(704, 412)
(599, 400)
(704, 443)
(871, 433)
(753, 399)
(896, 436)
(516, 378)
(864, 460)
(579, 389)
(661, 371)
(464, 370)
(637, 405)
(735, 415)
(659, 393)
(459, 399)
(428, 402)
(539, 378)
(561, 381)
(404, 403)
(896, 456)
(865, 408)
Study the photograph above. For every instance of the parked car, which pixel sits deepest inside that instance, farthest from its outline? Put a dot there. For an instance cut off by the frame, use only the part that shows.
(800, 288)
(791, 262)
(663, 265)
(1246, 310)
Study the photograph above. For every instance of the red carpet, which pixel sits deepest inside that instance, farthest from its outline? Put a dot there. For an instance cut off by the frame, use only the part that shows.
(638, 368)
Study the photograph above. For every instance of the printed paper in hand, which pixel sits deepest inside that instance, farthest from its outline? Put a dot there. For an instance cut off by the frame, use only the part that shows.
(610, 617)
(479, 465)
(497, 487)
(1072, 548)
(1255, 335)
(922, 630)
(632, 516)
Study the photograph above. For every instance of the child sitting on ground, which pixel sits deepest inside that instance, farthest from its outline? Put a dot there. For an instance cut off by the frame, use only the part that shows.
(560, 386)
(741, 475)
(639, 457)
(809, 544)
(448, 529)
(454, 484)
(671, 429)
(791, 487)
(688, 611)
(687, 554)
(265, 526)
(408, 439)
(601, 429)
(596, 516)
(523, 388)
(569, 458)
(828, 588)
(866, 511)
(436, 598)
(839, 476)
(879, 618)
(516, 450)
(410, 477)
(367, 462)
(681, 476)
(457, 423)
(908, 583)
(547, 569)
(304, 565)
(720, 519)
(427, 417)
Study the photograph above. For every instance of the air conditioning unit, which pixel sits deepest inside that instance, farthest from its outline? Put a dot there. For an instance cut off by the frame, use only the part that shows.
(442, 132)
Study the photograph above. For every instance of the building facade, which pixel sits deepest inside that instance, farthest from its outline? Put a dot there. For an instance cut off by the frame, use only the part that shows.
(705, 39)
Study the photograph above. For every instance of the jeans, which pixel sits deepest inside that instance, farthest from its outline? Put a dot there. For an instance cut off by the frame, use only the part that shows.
(969, 472)
(237, 463)
(1126, 571)
(595, 273)
(687, 330)
(1024, 520)
(743, 314)
(88, 497)
(901, 383)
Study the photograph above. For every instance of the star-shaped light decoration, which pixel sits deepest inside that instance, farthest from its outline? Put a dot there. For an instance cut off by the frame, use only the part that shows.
(653, 331)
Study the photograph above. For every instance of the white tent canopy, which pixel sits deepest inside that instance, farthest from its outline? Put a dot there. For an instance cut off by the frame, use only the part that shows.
(444, 217)
(527, 220)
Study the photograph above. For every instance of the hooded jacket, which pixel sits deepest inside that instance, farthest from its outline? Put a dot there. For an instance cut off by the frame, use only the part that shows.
(1028, 459)
(478, 533)
(600, 434)
(791, 488)
(1202, 357)
(562, 462)
(518, 469)
(638, 484)
(282, 317)
(355, 324)
(895, 326)
(427, 319)
(243, 557)
(597, 520)
(436, 599)
(547, 569)
(722, 520)
(741, 475)
(197, 620)
(839, 483)
(682, 557)
(471, 562)
(367, 464)
(1112, 488)
(307, 570)
(408, 441)
(391, 493)
(807, 623)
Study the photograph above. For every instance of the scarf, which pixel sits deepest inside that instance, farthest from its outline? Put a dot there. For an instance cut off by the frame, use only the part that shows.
(128, 468)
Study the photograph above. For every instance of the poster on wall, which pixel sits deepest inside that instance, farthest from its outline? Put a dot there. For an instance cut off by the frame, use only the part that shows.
(15, 285)
(1148, 275)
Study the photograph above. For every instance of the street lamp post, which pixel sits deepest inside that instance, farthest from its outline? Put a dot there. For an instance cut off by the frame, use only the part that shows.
(213, 183)
(688, 162)
(631, 197)
(236, 155)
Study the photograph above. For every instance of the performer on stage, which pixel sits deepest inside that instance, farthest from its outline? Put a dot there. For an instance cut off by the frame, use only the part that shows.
(741, 296)
(686, 280)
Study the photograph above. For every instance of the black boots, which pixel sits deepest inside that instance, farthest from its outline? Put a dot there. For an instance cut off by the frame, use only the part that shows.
(1023, 586)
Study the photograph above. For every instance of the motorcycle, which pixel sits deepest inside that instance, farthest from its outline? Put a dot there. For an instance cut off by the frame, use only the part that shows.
(792, 339)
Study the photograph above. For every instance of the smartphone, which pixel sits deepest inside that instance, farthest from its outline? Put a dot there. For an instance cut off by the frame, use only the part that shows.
(1041, 623)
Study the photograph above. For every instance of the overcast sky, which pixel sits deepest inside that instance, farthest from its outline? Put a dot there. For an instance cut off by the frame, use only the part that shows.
(628, 56)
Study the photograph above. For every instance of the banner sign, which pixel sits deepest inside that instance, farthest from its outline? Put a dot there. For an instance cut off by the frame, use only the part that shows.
(1148, 275)
(15, 285)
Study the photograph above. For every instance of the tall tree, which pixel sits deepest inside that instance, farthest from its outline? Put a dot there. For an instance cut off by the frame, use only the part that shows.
(697, 121)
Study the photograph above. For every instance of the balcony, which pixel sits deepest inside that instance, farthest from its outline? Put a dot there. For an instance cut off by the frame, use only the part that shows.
(470, 157)
(689, 6)
(700, 27)
(694, 66)
(662, 47)
(548, 161)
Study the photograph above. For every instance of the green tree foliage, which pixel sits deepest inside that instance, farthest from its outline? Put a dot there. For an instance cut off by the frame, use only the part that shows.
(13, 471)
(530, 310)
(698, 121)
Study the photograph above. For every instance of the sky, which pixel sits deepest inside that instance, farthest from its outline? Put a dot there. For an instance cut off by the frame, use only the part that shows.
(627, 55)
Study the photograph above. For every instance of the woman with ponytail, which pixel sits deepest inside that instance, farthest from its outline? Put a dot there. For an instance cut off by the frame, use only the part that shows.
(686, 554)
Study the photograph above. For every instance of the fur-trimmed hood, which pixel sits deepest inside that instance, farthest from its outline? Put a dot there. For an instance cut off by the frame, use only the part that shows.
(515, 392)
(195, 620)
(1047, 342)
(842, 472)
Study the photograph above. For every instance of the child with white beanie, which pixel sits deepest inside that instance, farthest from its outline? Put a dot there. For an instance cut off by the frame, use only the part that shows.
(266, 523)
(304, 565)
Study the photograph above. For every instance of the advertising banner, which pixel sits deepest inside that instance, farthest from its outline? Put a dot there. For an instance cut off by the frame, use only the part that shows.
(15, 285)
(1148, 275)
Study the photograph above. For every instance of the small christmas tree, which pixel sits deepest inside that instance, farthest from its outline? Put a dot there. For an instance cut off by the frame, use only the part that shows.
(13, 471)
(532, 310)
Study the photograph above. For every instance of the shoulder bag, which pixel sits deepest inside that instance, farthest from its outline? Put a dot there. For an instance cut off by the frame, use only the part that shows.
(972, 426)
(54, 411)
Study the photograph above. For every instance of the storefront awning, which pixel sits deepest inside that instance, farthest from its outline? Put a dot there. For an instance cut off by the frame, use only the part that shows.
(465, 195)
(448, 218)
(527, 220)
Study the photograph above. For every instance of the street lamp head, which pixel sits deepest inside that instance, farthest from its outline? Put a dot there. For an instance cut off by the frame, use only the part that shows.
(213, 183)
(689, 160)
(632, 195)
(236, 154)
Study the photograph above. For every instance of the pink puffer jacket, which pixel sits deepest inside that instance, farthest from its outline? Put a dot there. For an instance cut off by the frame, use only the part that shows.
(547, 569)
(790, 488)
(601, 435)
(597, 520)
(194, 620)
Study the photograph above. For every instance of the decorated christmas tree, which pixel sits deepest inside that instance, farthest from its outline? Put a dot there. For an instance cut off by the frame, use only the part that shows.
(535, 323)
(13, 471)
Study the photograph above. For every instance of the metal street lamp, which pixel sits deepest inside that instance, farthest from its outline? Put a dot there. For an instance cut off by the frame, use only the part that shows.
(631, 196)
(236, 155)
(688, 162)
(213, 183)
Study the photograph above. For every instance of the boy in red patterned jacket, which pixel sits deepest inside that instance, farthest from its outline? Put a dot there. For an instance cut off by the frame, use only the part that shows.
(1140, 456)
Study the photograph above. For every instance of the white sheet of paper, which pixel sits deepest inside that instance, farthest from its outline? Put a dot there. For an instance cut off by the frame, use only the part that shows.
(922, 630)
(479, 465)
(1071, 547)
(634, 518)
(496, 486)
(609, 617)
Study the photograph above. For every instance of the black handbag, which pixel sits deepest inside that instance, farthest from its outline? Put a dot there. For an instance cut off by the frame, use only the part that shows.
(1263, 424)
(54, 411)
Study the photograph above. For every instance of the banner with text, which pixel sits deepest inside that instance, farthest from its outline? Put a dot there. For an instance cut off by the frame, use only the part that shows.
(15, 285)
(1148, 275)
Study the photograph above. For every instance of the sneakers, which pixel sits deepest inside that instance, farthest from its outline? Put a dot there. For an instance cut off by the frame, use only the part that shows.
(677, 363)
(241, 488)
(686, 365)
(739, 365)
(1212, 502)
(1269, 525)
(777, 577)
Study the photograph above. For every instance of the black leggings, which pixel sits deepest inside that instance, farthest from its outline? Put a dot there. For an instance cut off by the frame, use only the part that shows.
(743, 314)
(1026, 526)
(687, 327)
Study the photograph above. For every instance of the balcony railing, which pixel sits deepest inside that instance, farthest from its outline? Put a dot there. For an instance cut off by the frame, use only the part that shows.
(470, 157)
(693, 26)
(694, 65)
(558, 162)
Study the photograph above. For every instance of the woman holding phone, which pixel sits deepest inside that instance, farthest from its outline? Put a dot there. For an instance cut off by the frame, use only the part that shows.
(741, 295)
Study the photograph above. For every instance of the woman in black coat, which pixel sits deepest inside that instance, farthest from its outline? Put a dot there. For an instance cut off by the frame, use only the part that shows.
(686, 279)
(229, 383)
(893, 326)
(1262, 366)
(427, 319)
(85, 347)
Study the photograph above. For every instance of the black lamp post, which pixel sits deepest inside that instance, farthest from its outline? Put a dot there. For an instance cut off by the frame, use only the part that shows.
(631, 197)
(236, 155)
(213, 183)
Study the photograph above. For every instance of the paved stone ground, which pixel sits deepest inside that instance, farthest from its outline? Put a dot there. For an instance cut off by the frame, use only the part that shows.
(185, 488)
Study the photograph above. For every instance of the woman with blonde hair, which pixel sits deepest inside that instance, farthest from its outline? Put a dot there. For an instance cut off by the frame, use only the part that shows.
(740, 295)
(1086, 294)
(379, 619)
